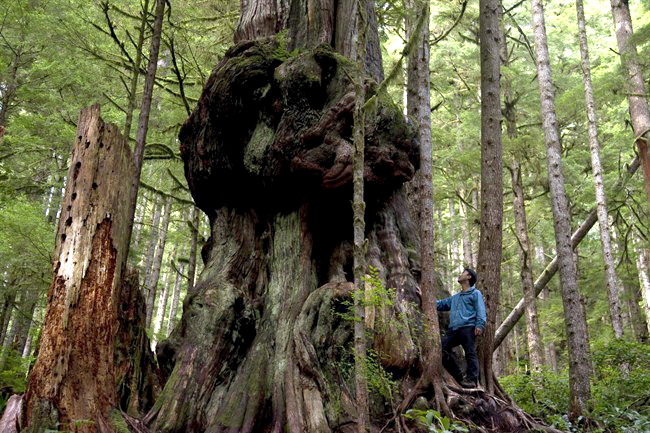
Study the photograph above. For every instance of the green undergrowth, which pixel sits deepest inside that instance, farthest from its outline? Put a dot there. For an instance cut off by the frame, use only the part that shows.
(620, 391)
(13, 376)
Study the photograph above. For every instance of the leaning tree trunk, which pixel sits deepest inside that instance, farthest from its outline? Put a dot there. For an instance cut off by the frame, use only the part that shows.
(574, 314)
(489, 253)
(74, 376)
(611, 280)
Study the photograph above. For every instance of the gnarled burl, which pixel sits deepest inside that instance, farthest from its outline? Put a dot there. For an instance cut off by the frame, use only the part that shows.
(263, 345)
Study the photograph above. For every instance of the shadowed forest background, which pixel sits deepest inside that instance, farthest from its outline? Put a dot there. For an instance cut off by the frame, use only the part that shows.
(58, 57)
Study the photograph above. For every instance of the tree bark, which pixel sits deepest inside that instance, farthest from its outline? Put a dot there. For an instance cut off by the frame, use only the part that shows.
(611, 280)
(153, 241)
(642, 266)
(418, 105)
(634, 85)
(534, 337)
(151, 284)
(145, 110)
(139, 222)
(489, 255)
(359, 224)
(135, 72)
(175, 298)
(574, 314)
(7, 308)
(550, 270)
(74, 375)
(161, 310)
(191, 265)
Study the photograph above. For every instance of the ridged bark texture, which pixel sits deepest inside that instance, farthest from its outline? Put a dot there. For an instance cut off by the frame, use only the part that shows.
(265, 342)
(634, 85)
(489, 253)
(359, 223)
(611, 280)
(574, 314)
(74, 375)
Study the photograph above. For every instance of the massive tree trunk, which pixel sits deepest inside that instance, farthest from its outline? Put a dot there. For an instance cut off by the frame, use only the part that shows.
(634, 85)
(574, 314)
(74, 375)
(611, 279)
(265, 341)
(489, 253)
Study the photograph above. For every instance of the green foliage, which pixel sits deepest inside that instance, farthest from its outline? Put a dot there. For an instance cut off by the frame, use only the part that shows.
(619, 390)
(435, 422)
(14, 373)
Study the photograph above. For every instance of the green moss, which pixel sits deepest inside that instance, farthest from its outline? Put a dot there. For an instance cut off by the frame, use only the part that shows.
(118, 422)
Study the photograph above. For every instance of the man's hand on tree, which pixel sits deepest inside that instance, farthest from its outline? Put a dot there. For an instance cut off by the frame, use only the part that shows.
(478, 331)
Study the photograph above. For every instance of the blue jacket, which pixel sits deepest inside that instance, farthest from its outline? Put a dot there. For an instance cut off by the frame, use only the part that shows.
(467, 309)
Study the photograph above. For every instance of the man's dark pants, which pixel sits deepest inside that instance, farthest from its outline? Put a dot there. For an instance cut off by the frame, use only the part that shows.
(465, 337)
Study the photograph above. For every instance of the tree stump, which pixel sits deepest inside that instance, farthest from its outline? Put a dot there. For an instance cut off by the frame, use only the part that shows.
(72, 385)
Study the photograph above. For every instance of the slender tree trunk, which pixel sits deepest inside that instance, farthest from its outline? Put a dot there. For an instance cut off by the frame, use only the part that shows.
(358, 206)
(153, 241)
(550, 270)
(489, 256)
(171, 322)
(140, 214)
(136, 70)
(5, 316)
(191, 264)
(152, 283)
(419, 110)
(162, 309)
(578, 347)
(74, 375)
(453, 257)
(468, 253)
(24, 321)
(145, 110)
(611, 279)
(534, 337)
(642, 265)
(634, 85)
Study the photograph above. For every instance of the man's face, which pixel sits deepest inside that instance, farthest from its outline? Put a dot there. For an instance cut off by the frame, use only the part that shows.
(464, 276)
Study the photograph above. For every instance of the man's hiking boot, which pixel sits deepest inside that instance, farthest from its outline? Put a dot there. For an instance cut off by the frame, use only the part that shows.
(467, 383)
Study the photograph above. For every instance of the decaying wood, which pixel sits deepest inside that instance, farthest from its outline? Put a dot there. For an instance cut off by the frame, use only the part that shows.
(73, 380)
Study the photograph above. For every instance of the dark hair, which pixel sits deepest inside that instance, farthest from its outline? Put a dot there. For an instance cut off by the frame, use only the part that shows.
(472, 276)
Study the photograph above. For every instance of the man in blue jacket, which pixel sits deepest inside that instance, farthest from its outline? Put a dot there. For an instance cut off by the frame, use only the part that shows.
(466, 322)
